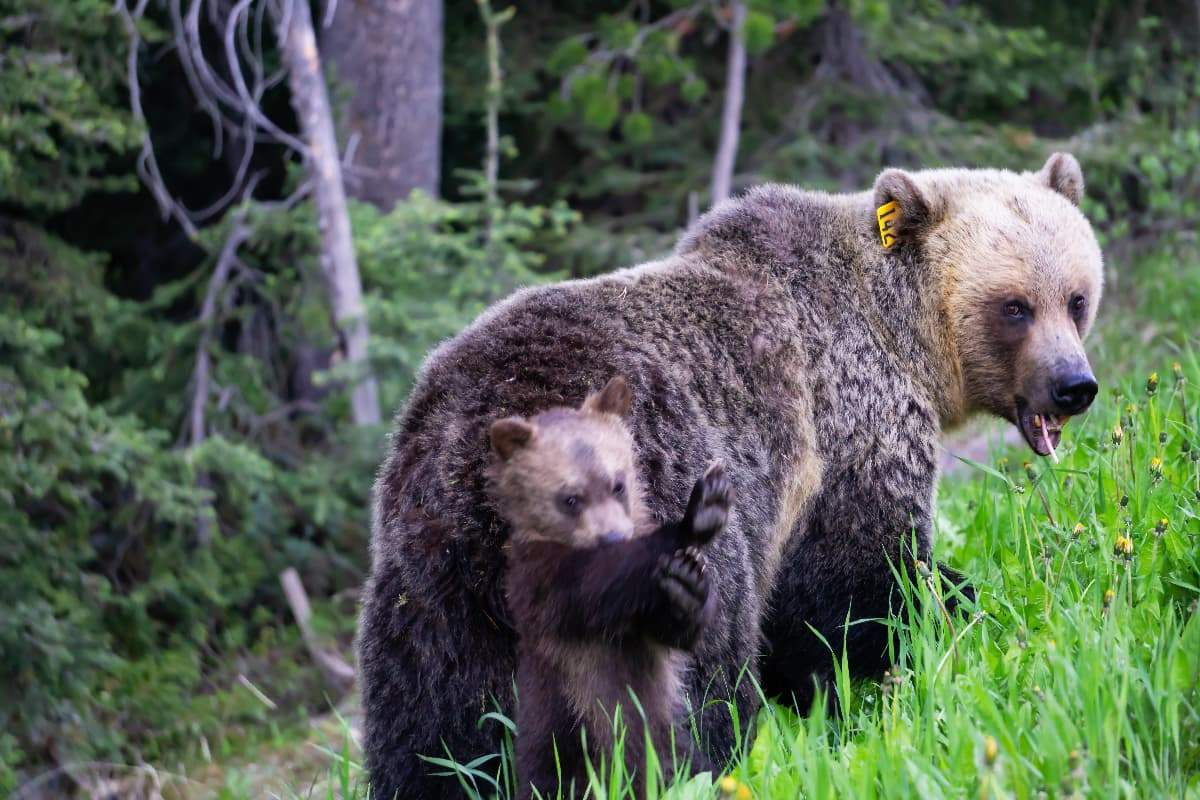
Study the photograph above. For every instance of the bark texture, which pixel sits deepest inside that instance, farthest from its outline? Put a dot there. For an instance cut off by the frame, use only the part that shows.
(388, 59)
(311, 101)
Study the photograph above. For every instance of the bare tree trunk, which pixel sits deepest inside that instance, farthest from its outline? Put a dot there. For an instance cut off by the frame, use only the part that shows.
(731, 113)
(495, 86)
(311, 101)
(388, 55)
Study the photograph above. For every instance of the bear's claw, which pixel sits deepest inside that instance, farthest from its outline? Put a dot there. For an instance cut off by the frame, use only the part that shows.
(682, 578)
(710, 503)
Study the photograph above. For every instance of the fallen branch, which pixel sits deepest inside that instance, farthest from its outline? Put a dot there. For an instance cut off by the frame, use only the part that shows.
(339, 675)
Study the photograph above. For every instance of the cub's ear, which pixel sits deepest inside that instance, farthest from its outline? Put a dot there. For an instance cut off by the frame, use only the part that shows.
(902, 210)
(615, 398)
(509, 435)
(1062, 174)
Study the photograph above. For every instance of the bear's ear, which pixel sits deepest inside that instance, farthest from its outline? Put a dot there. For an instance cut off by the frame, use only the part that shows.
(509, 435)
(1062, 174)
(615, 398)
(902, 210)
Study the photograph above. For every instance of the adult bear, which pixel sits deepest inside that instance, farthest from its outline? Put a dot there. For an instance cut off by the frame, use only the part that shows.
(784, 336)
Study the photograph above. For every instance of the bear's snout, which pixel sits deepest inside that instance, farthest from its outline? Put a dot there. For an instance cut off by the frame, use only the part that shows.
(1073, 391)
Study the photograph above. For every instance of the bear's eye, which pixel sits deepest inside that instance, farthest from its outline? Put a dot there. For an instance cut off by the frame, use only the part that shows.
(619, 488)
(1015, 309)
(1077, 305)
(568, 503)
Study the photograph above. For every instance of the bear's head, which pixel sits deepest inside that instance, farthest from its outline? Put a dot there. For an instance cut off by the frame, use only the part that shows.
(1018, 274)
(568, 475)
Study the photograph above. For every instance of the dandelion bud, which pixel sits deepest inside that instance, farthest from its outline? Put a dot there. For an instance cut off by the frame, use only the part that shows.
(991, 750)
(1109, 596)
(1152, 383)
(1161, 525)
(1177, 368)
(728, 785)
(1123, 546)
(1156, 467)
(1118, 433)
(1124, 500)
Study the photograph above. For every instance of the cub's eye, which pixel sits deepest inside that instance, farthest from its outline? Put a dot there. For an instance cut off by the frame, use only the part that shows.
(1015, 309)
(619, 488)
(1078, 304)
(568, 503)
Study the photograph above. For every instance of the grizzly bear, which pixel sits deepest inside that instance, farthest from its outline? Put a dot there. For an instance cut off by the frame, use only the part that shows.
(602, 604)
(817, 344)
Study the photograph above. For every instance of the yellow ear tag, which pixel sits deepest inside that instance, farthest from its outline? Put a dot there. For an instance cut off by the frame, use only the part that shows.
(887, 214)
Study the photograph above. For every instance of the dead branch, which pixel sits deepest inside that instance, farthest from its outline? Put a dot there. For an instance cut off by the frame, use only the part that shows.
(731, 111)
(338, 675)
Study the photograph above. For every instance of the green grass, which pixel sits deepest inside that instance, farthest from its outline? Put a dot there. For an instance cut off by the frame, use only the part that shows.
(1079, 673)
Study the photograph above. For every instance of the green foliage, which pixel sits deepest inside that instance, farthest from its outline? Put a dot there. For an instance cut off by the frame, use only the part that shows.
(60, 115)
(139, 570)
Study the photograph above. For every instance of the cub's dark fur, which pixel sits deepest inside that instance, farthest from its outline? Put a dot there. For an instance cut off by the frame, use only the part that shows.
(780, 337)
(603, 607)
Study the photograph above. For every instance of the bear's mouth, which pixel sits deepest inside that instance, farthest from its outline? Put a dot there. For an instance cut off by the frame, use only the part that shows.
(1042, 432)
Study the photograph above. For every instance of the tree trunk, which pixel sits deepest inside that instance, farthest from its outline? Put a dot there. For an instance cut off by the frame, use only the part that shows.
(388, 58)
(731, 113)
(338, 265)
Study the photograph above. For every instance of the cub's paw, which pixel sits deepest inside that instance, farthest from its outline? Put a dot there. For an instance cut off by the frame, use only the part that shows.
(708, 508)
(683, 580)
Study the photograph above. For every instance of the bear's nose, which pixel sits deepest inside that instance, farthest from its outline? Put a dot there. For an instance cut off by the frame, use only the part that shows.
(612, 537)
(1074, 393)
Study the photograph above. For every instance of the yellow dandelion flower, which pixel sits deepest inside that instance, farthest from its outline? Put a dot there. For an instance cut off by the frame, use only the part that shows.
(728, 785)
(1118, 433)
(1078, 529)
(1109, 596)
(1152, 383)
(1123, 546)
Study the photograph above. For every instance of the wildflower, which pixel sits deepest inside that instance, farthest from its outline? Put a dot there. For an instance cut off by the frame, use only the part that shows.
(1156, 468)
(1078, 529)
(1123, 546)
(1124, 500)
(1177, 368)
(1109, 596)
(731, 788)
(1003, 464)
(1185, 446)
(1038, 693)
(1118, 433)
(1152, 383)
(1162, 437)
(991, 750)
(1030, 471)
(1161, 526)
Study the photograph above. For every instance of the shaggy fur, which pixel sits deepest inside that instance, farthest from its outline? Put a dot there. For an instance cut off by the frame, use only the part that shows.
(781, 338)
(597, 616)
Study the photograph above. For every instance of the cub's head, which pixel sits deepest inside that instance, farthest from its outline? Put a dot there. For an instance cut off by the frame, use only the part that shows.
(1019, 277)
(568, 474)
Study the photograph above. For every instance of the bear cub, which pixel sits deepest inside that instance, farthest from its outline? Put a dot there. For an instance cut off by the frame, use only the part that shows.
(603, 603)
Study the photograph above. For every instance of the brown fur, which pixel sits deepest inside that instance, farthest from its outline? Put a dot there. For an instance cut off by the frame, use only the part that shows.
(779, 337)
(603, 605)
